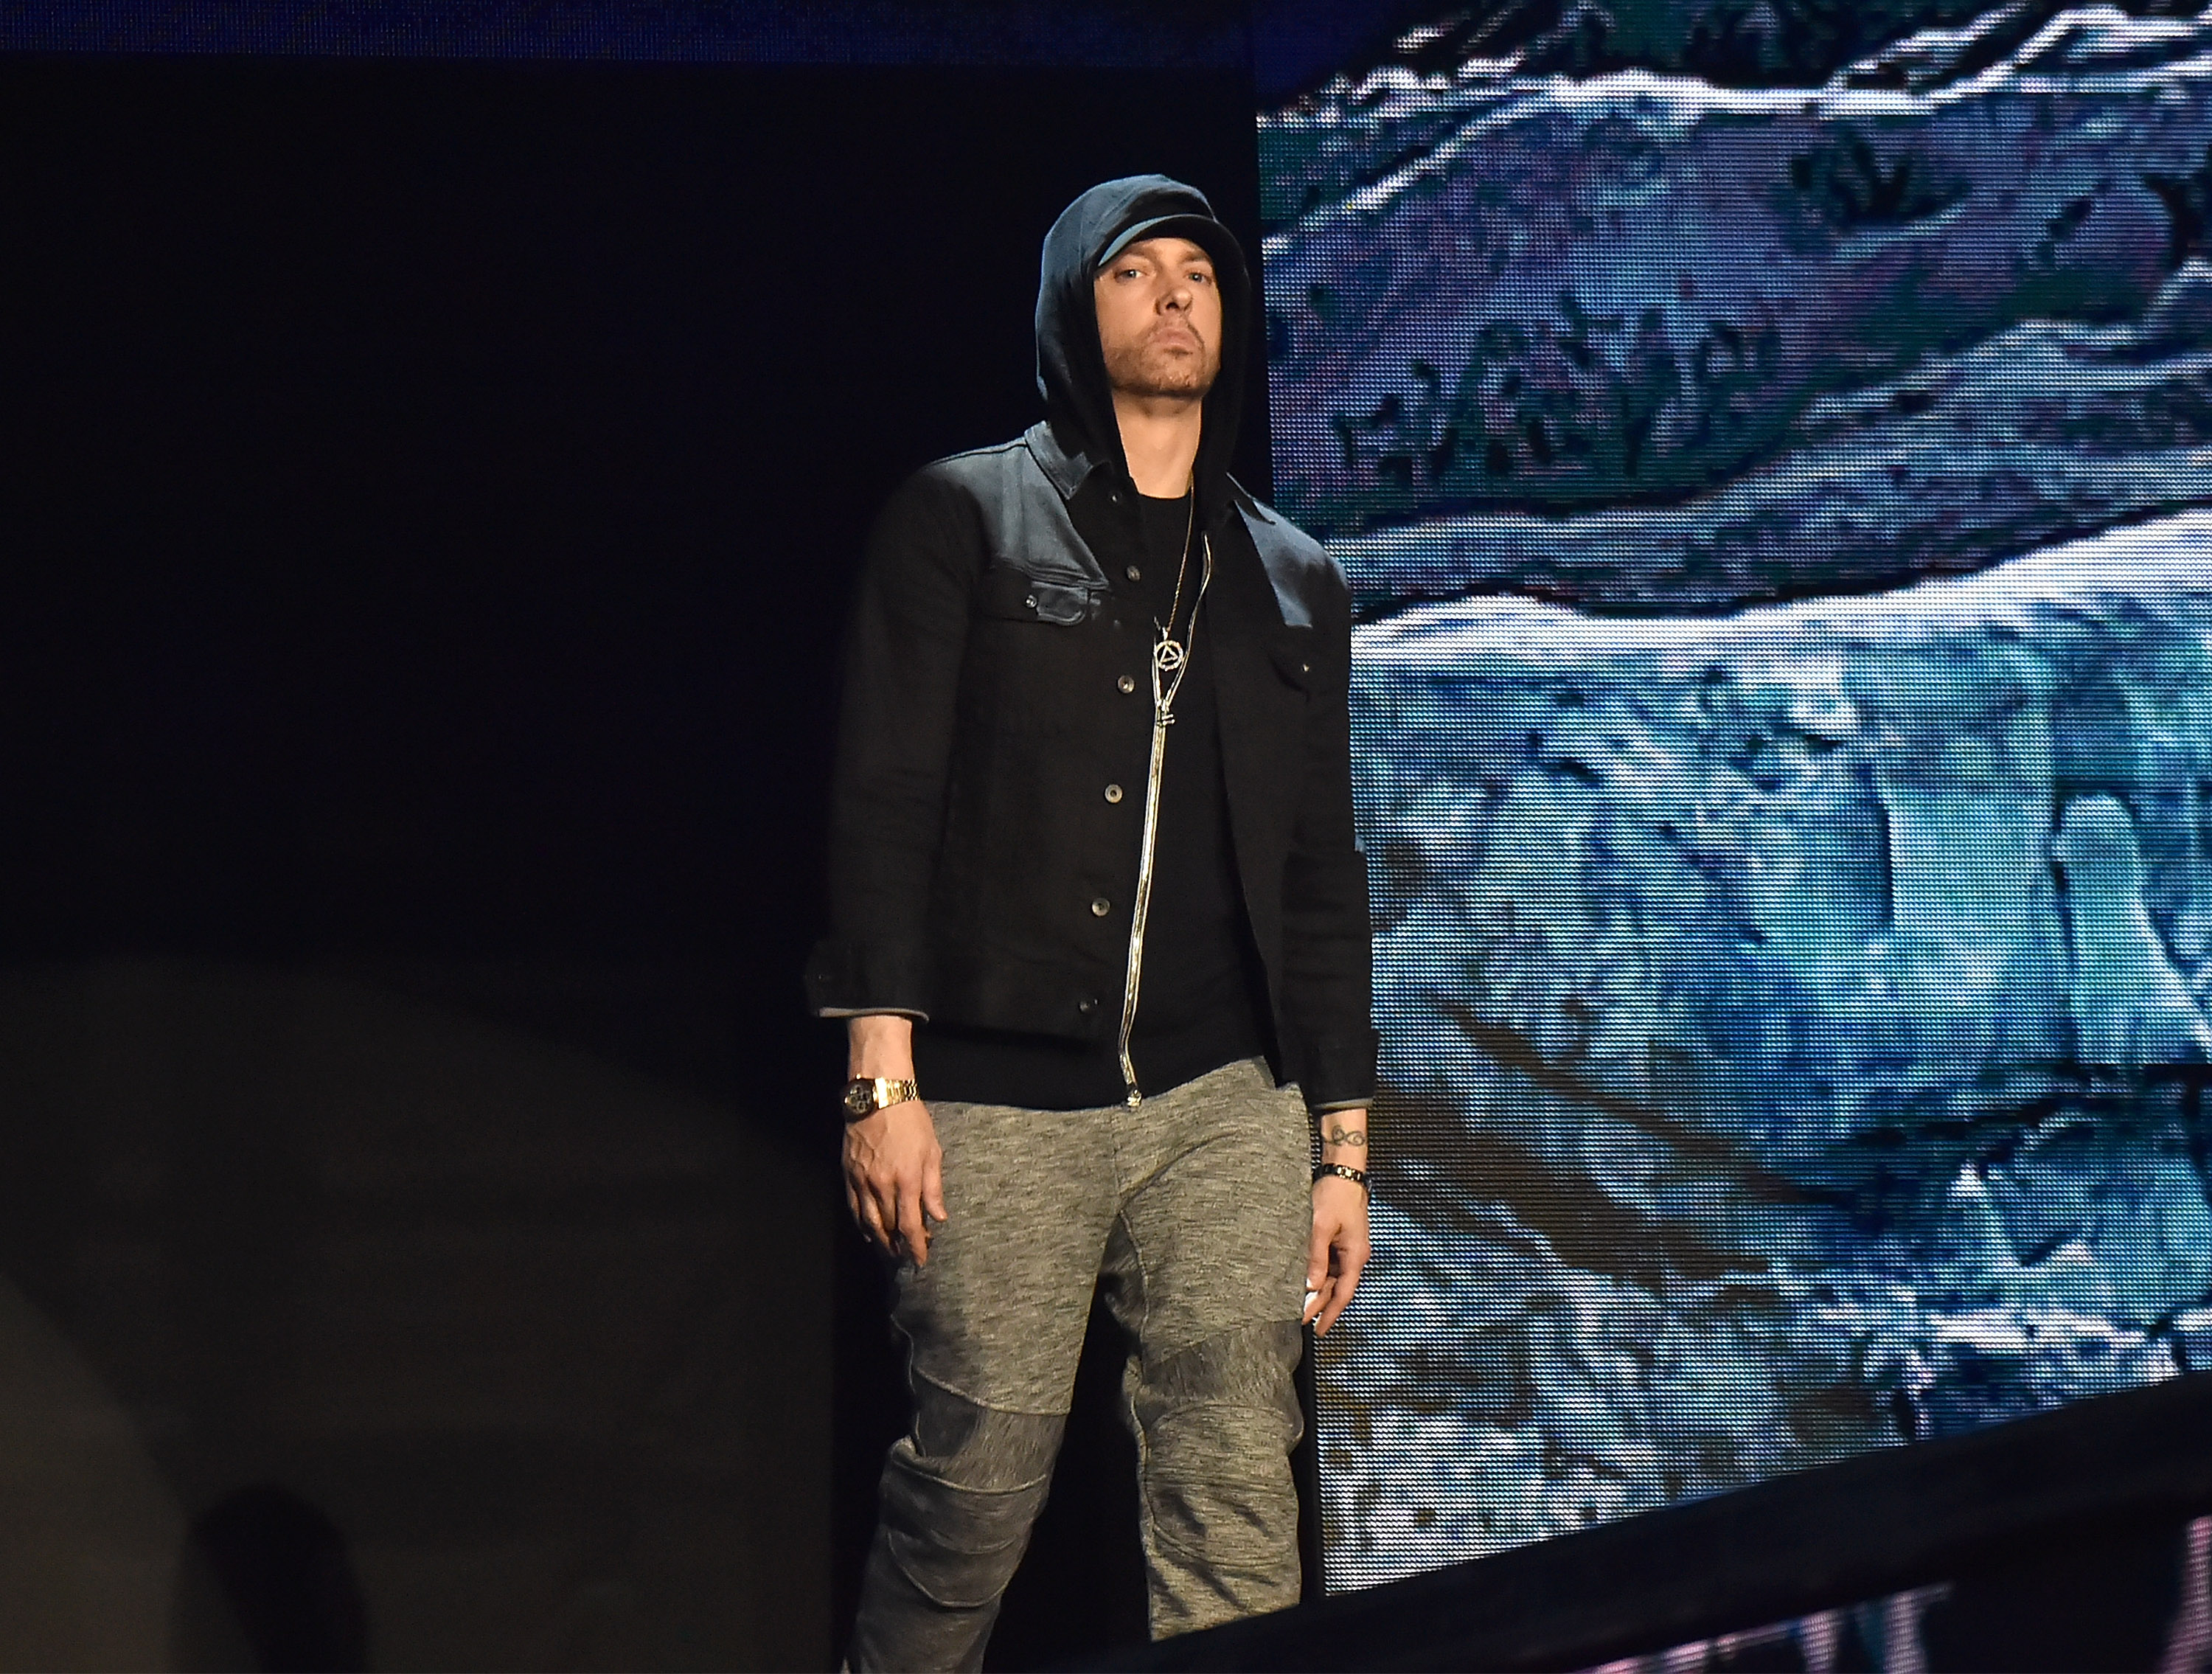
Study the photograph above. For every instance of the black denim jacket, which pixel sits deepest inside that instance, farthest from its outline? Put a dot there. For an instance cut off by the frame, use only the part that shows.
(994, 681)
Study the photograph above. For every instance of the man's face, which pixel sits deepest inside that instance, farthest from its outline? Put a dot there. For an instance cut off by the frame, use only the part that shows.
(1159, 319)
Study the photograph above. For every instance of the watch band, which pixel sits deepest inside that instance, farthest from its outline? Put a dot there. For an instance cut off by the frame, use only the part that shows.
(867, 1095)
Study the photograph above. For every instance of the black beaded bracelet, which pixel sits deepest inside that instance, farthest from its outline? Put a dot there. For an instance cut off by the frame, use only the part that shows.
(1343, 1170)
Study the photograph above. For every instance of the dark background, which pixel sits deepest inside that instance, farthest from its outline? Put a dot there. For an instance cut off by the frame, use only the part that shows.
(431, 492)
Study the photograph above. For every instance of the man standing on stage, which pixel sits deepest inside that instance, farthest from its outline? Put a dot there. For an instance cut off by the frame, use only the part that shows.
(1095, 895)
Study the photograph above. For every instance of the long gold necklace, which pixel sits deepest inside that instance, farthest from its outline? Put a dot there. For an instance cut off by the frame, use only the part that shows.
(1170, 655)
(1170, 662)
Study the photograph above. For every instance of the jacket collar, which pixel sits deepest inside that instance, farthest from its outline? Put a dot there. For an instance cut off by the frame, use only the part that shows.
(1068, 469)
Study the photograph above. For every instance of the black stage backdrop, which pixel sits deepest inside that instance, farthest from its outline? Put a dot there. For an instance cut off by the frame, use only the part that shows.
(431, 492)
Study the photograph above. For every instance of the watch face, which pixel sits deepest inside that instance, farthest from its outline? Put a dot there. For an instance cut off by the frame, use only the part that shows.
(860, 1098)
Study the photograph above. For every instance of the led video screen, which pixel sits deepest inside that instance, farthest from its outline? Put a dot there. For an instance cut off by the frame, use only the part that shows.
(1769, 445)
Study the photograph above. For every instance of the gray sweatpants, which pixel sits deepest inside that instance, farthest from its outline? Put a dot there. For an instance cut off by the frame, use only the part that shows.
(1194, 1208)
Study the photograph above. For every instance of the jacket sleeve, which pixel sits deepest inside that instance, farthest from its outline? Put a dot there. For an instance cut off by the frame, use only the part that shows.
(1327, 937)
(903, 648)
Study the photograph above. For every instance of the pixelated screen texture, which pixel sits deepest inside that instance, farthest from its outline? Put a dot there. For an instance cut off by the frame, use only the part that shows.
(1778, 519)
(1031, 34)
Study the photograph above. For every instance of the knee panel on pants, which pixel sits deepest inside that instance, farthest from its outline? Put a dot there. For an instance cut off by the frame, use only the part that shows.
(1218, 1421)
(1248, 1367)
(960, 1495)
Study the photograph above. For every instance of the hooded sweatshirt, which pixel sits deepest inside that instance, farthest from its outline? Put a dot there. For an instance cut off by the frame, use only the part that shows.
(995, 748)
(1202, 995)
(1078, 401)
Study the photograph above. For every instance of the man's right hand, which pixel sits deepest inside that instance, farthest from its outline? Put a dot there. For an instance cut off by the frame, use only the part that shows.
(895, 1178)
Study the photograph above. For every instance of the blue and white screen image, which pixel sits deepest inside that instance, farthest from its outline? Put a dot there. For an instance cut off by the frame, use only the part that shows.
(1773, 465)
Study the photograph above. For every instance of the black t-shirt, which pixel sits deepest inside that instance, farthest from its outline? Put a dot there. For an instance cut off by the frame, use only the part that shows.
(1195, 1000)
(1200, 999)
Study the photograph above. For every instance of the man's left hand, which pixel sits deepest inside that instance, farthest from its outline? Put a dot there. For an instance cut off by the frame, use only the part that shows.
(1338, 1251)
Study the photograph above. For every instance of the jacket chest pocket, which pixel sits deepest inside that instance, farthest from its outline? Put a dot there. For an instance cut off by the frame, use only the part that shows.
(1296, 660)
(1287, 681)
(1008, 594)
(1030, 643)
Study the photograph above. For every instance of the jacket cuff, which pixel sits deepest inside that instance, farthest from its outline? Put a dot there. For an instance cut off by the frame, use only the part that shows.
(849, 978)
(1337, 1071)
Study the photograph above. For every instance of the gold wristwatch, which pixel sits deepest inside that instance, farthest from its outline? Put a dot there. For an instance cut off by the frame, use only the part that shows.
(865, 1097)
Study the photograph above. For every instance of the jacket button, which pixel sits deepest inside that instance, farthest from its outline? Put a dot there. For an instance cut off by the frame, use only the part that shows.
(1127, 683)
(1100, 907)
(1087, 1004)
(1031, 602)
(1113, 793)
(1133, 573)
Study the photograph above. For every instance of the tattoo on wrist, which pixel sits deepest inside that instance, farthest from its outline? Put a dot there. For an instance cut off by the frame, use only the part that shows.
(1340, 1135)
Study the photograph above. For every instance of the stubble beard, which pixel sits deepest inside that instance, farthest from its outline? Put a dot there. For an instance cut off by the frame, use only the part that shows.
(1149, 370)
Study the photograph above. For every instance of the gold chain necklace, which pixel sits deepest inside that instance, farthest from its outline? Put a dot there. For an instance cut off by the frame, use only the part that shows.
(1170, 655)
